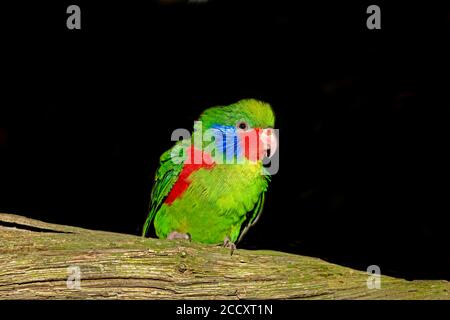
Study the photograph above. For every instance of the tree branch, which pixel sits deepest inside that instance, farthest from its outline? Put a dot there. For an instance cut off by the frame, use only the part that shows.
(35, 257)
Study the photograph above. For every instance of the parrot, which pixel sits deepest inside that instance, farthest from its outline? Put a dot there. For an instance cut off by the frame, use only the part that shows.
(214, 200)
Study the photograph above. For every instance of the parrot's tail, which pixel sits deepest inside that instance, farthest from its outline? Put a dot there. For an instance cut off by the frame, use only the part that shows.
(148, 223)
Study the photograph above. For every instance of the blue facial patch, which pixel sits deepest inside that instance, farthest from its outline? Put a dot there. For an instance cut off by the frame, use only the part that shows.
(227, 141)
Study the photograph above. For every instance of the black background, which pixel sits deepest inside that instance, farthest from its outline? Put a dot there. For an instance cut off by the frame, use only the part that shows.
(363, 117)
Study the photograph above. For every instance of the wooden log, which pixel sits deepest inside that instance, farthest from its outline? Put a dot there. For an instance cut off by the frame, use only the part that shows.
(37, 260)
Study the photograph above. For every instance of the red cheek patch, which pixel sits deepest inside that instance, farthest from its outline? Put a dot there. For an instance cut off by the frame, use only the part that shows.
(251, 144)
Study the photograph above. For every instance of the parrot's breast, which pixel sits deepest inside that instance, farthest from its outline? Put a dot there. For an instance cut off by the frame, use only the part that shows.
(215, 202)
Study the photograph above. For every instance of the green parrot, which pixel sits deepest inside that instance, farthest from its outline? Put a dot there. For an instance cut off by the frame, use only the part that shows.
(212, 191)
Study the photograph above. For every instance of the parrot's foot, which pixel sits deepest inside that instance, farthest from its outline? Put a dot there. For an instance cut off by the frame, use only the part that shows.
(230, 245)
(177, 235)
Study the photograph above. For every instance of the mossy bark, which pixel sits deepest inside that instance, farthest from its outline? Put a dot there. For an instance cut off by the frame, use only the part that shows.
(36, 260)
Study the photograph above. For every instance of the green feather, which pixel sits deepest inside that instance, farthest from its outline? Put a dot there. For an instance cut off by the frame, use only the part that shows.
(166, 176)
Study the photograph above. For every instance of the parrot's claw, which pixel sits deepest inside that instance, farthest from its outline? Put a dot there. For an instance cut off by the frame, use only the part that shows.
(230, 245)
(177, 235)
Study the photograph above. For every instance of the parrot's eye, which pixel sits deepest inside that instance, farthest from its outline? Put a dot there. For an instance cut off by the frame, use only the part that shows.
(242, 125)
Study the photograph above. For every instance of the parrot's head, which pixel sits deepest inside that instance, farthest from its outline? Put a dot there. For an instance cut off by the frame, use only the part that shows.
(244, 128)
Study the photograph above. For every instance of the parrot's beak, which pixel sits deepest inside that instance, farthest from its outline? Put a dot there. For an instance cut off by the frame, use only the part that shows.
(269, 141)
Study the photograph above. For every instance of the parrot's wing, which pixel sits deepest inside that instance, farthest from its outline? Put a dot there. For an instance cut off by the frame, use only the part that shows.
(166, 176)
(254, 214)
